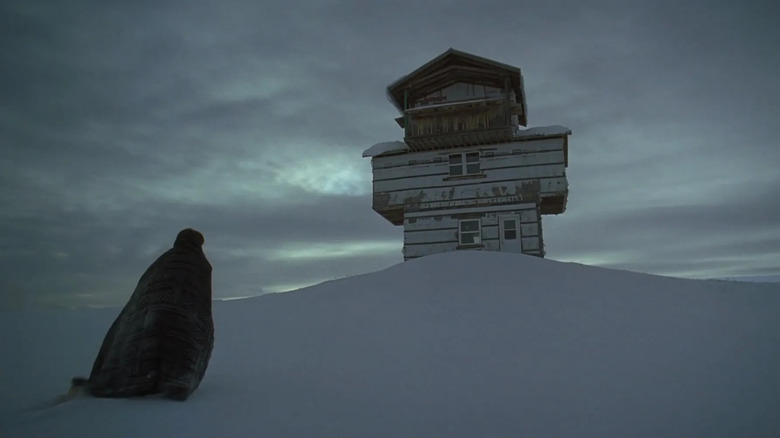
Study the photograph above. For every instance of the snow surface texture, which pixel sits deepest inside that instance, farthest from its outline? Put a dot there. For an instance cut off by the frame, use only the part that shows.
(467, 344)
(399, 146)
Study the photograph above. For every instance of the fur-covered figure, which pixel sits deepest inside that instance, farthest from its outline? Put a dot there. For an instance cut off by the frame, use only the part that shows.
(161, 341)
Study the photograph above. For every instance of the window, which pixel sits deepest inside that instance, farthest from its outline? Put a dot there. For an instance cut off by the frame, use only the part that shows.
(469, 232)
(464, 164)
(510, 229)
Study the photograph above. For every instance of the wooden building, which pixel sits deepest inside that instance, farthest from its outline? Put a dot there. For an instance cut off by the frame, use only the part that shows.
(467, 176)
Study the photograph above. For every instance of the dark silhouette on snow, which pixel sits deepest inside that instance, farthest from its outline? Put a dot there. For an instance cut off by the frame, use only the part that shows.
(161, 342)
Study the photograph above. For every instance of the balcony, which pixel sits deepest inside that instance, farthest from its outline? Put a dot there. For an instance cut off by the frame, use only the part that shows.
(457, 124)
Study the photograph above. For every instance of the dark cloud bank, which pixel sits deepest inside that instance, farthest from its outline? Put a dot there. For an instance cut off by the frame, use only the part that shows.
(121, 123)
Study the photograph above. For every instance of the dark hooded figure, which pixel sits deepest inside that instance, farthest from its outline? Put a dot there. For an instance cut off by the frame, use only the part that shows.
(161, 342)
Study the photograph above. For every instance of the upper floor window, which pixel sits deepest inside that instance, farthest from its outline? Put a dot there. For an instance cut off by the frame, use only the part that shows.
(464, 164)
(457, 92)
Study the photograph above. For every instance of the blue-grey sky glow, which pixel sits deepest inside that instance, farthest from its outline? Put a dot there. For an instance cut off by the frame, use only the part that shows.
(123, 122)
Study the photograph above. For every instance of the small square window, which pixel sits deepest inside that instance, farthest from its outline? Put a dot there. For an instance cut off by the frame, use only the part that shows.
(469, 232)
(464, 164)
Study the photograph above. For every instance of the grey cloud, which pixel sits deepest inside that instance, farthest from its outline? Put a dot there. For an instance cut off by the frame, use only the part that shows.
(720, 238)
(106, 253)
(123, 122)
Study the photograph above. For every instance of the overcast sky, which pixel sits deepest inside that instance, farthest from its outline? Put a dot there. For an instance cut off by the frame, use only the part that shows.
(123, 122)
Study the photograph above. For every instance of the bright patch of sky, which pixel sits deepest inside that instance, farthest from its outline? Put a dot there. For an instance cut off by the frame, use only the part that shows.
(268, 176)
(303, 250)
(287, 287)
(607, 257)
(335, 173)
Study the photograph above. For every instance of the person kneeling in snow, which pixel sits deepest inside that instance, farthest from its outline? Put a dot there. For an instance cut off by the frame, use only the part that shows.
(161, 342)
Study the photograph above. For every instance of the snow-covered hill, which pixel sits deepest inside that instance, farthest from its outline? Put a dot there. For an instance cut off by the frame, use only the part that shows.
(469, 344)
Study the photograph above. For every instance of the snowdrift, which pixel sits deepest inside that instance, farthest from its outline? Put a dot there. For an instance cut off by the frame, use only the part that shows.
(469, 344)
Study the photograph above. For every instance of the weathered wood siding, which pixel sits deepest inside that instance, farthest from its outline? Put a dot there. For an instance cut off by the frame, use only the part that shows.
(484, 117)
(433, 232)
(510, 173)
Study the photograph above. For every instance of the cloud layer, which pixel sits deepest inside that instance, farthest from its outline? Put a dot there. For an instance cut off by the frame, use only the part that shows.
(125, 122)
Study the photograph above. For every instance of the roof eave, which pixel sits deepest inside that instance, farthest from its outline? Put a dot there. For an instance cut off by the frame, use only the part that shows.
(395, 91)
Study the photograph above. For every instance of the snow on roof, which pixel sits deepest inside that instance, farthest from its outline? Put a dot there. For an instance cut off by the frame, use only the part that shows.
(385, 147)
(542, 131)
(399, 146)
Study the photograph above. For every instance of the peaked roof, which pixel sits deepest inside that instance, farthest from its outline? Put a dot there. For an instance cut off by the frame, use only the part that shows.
(455, 66)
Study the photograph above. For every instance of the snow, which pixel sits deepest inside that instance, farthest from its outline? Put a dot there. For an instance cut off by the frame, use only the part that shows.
(542, 131)
(385, 147)
(466, 344)
(539, 131)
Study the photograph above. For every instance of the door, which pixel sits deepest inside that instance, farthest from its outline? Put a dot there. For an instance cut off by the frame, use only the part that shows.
(509, 233)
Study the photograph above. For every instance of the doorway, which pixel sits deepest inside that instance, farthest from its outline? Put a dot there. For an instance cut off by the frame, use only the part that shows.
(509, 233)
